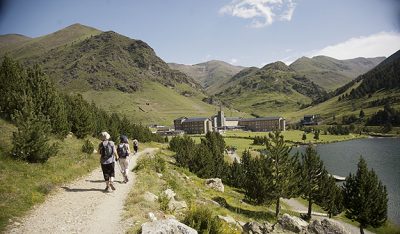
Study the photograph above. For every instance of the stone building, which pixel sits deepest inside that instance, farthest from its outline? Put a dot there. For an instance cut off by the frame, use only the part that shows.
(193, 125)
(264, 124)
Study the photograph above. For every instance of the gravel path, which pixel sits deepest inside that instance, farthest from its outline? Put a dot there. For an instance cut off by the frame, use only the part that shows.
(82, 206)
(300, 208)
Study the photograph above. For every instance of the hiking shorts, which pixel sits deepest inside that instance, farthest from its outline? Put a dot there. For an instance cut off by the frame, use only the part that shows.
(108, 171)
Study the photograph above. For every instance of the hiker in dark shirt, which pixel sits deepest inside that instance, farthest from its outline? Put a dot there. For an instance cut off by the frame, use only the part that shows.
(124, 151)
(135, 146)
(108, 155)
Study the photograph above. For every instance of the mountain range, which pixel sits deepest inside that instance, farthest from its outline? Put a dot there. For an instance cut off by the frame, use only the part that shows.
(100, 64)
(210, 75)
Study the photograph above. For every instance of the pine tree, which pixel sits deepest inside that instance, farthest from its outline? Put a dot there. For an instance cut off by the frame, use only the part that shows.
(283, 170)
(236, 175)
(312, 170)
(13, 86)
(30, 142)
(331, 196)
(304, 137)
(362, 114)
(254, 182)
(316, 135)
(80, 116)
(114, 127)
(365, 197)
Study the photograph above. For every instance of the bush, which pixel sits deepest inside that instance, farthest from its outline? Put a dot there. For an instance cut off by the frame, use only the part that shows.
(156, 163)
(203, 220)
(88, 147)
(30, 142)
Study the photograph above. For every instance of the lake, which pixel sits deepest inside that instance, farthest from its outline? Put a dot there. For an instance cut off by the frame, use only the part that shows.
(381, 154)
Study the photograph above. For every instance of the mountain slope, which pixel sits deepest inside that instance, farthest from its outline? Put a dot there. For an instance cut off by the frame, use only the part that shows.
(271, 90)
(369, 92)
(332, 73)
(211, 75)
(10, 40)
(101, 66)
(79, 57)
(35, 46)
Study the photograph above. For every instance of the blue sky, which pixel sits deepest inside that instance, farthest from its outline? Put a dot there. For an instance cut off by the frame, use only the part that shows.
(241, 32)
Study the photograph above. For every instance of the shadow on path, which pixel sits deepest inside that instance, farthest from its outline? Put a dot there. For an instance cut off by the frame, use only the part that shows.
(82, 190)
(248, 213)
(95, 181)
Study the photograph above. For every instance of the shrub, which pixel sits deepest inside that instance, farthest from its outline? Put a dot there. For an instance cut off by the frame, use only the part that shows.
(203, 220)
(156, 163)
(88, 147)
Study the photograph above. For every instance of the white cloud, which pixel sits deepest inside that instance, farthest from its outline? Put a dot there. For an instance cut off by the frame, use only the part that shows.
(233, 61)
(262, 12)
(375, 45)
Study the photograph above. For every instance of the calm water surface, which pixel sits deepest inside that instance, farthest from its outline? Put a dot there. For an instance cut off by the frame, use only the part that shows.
(381, 154)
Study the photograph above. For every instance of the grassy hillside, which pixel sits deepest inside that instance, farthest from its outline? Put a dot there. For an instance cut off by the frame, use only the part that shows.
(107, 60)
(333, 107)
(23, 185)
(11, 40)
(271, 90)
(35, 46)
(156, 104)
(331, 73)
(211, 75)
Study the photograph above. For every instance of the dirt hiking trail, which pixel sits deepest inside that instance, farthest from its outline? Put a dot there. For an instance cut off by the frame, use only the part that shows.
(83, 206)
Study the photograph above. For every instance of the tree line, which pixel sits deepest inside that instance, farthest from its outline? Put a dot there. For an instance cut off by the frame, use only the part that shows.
(267, 178)
(30, 100)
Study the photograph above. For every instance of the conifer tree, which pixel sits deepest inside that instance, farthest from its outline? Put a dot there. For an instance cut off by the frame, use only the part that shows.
(80, 116)
(254, 184)
(365, 197)
(312, 170)
(236, 175)
(114, 127)
(283, 169)
(316, 135)
(331, 196)
(304, 137)
(30, 142)
(362, 114)
(13, 86)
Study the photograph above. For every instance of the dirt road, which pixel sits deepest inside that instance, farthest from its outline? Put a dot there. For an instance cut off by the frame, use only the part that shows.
(82, 206)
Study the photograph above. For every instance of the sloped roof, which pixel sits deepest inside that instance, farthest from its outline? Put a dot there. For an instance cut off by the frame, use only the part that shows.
(263, 118)
(198, 119)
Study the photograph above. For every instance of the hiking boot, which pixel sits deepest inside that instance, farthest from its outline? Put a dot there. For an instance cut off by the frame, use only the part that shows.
(112, 186)
(106, 189)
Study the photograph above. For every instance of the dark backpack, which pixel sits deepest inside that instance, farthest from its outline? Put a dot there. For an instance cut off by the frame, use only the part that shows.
(106, 151)
(122, 151)
(123, 139)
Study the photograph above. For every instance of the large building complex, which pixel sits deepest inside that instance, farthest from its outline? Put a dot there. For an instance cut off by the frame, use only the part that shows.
(265, 124)
(193, 125)
(220, 122)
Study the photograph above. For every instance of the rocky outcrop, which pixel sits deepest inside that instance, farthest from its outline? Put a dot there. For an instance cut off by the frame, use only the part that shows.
(167, 226)
(257, 228)
(215, 183)
(173, 204)
(327, 226)
(169, 193)
(291, 223)
(231, 221)
(151, 197)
